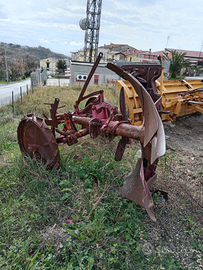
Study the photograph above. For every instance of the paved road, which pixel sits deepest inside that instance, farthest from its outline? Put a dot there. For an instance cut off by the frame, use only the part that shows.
(6, 91)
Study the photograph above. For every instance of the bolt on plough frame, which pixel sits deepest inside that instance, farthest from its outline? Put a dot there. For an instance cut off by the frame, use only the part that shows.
(40, 138)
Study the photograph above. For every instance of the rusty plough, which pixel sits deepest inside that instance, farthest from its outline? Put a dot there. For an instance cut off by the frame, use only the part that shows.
(40, 138)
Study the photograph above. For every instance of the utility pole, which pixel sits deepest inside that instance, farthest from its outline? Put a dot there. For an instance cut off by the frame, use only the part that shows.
(167, 41)
(22, 67)
(200, 52)
(6, 64)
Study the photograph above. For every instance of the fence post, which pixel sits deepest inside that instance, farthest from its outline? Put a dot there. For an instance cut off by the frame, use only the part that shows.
(21, 94)
(12, 102)
(27, 88)
(32, 88)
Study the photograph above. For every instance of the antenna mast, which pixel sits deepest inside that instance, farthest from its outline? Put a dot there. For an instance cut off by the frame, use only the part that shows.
(92, 22)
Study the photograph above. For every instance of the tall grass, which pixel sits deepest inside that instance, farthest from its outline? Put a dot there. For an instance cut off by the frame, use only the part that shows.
(34, 103)
(74, 217)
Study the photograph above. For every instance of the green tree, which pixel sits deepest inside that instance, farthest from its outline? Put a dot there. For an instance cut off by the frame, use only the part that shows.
(178, 61)
(61, 65)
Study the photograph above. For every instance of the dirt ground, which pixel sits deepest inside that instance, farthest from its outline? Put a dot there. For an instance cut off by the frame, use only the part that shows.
(179, 226)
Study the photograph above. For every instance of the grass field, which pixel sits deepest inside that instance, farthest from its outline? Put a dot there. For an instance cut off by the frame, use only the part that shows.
(73, 217)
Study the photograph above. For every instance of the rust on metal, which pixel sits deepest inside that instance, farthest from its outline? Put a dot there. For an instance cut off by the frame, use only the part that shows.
(36, 140)
(146, 75)
(88, 80)
(40, 138)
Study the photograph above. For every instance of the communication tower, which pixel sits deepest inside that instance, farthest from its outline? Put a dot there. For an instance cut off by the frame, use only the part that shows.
(91, 25)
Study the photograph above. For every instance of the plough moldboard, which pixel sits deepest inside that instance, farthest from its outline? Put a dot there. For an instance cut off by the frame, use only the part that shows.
(40, 138)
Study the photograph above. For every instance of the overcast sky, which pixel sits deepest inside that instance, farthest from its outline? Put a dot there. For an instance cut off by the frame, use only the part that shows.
(142, 24)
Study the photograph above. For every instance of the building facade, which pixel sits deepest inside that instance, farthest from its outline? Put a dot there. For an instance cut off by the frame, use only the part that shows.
(49, 64)
(102, 75)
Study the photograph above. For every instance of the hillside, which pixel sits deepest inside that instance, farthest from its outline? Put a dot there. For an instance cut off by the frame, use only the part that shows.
(18, 51)
(22, 60)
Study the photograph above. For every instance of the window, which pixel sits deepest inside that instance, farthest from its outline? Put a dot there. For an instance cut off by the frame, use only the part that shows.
(96, 79)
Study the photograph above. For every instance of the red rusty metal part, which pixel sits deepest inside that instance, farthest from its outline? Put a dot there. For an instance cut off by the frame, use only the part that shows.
(123, 129)
(146, 75)
(88, 80)
(121, 148)
(71, 138)
(152, 122)
(37, 141)
(136, 186)
(94, 127)
(136, 189)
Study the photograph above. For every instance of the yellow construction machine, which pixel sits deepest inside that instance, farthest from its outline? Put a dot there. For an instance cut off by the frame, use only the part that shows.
(173, 98)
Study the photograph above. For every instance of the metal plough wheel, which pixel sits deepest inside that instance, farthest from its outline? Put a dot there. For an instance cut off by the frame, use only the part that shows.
(37, 141)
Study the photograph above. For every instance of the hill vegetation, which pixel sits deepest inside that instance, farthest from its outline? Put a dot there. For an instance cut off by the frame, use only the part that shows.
(22, 60)
(18, 51)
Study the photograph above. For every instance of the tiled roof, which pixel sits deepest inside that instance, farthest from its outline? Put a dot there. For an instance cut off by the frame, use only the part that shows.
(113, 45)
(115, 52)
(158, 53)
(191, 54)
(133, 52)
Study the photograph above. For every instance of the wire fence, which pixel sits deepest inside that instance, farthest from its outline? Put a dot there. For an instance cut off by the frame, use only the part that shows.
(11, 93)
(24, 90)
